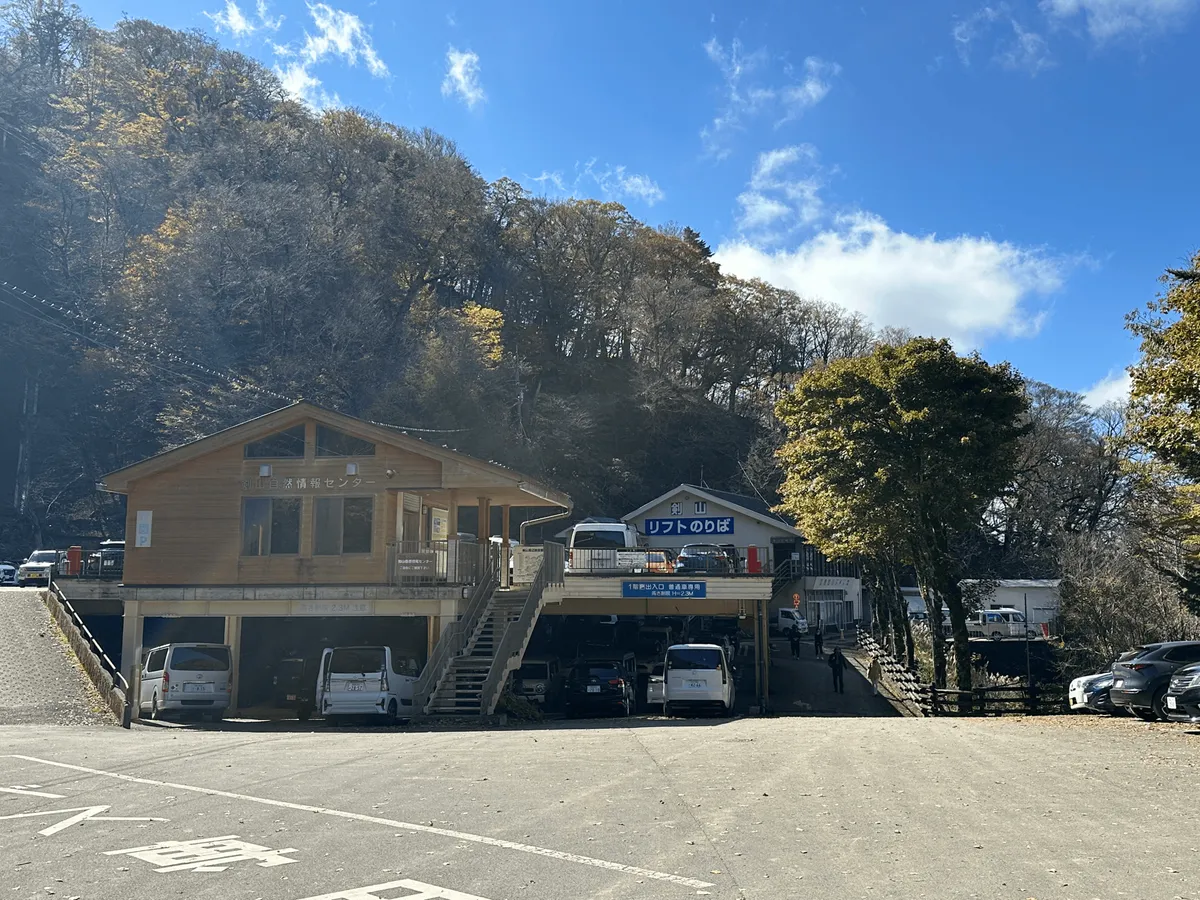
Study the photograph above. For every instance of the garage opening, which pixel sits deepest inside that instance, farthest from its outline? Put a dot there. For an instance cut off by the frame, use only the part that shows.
(268, 641)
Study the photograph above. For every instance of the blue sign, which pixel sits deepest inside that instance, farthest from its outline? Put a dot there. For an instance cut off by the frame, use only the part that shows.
(713, 525)
(671, 590)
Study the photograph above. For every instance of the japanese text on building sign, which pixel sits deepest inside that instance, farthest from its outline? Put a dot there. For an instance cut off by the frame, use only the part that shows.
(674, 590)
(303, 483)
(702, 525)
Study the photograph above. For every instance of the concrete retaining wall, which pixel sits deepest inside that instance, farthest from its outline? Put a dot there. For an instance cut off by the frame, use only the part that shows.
(113, 696)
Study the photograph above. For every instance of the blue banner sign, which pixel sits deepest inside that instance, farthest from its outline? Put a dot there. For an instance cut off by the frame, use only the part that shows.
(671, 590)
(712, 525)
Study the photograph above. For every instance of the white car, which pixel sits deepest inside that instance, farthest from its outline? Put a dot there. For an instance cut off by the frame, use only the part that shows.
(656, 686)
(38, 569)
(8, 574)
(183, 678)
(1077, 693)
(699, 678)
(365, 681)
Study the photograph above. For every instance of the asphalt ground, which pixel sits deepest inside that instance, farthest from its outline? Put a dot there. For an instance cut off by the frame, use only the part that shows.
(765, 808)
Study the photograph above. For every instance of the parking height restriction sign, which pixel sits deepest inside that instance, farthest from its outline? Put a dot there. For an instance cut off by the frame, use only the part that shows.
(670, 590)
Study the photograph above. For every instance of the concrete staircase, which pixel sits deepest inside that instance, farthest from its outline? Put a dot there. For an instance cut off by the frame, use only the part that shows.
(460, 690)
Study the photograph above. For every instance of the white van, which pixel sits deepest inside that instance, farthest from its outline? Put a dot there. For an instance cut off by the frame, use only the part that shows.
(785, 617)
(365, 681)
(179, 678)
(698, 677)
(599, 546)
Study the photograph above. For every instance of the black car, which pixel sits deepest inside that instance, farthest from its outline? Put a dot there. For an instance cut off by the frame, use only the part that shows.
(703, 559)
(1140, 683)
(1097, 695)
(1183, 695)
(599, 687)
(294, 684)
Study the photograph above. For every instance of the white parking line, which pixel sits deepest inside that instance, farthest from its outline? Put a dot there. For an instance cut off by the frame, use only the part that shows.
(390, 823)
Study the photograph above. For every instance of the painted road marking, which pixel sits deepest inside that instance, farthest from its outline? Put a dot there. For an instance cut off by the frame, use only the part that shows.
(205, 854)
(422, 892)
(390, 823)
(82, 814)
(26, 790)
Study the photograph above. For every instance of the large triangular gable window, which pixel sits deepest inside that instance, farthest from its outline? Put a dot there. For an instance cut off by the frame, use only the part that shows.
(331, 442)
(280, 445)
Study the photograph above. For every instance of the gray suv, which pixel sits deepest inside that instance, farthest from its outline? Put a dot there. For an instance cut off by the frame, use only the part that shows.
(1140, 683)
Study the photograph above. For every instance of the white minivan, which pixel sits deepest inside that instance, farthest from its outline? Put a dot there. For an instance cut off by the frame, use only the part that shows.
(179, 678)
(365, 681)
(785, 617)
(698, 678)
(604, 547)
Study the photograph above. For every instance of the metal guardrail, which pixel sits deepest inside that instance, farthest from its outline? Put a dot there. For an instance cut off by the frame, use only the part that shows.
(455, 636)
(102, 671)
(554, 562)
(685, 561)
(903, 679)
(437, 562)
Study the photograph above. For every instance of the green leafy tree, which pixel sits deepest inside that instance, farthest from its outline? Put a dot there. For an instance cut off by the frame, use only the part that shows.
(911, 444)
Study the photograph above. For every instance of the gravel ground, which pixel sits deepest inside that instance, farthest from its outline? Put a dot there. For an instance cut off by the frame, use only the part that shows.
(41, 682)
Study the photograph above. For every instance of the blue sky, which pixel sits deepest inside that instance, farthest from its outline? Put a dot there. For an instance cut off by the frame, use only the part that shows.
(1015, 175)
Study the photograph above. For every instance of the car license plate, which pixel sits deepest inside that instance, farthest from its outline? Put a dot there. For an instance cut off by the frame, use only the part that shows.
(593, 688)
(354, 685)
(197, 688)
(1120, 682)
(1170, 703)
(291, 696)
(695, 684)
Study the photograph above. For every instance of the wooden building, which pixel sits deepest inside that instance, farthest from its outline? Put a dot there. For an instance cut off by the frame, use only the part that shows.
(305, 526)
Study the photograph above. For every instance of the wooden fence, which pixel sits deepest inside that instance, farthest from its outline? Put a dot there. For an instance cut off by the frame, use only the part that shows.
(1019, 700)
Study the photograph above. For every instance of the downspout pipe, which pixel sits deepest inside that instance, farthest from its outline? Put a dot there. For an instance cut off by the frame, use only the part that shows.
(544, 520)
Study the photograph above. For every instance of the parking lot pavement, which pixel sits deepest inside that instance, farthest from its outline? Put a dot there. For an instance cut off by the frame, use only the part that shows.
(762, 808)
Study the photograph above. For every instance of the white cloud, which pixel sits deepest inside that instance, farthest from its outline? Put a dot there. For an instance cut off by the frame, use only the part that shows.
(965, 288)
(233, 20)
(462, 77)
(339, 35)
(783, 193)
(1112, 388)
(1025, 50)
(1108, 19)
(744, 94)
(613, 183)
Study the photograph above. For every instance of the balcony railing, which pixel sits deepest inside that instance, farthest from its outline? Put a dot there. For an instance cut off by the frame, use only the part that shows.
(452, 562)
(683, 562)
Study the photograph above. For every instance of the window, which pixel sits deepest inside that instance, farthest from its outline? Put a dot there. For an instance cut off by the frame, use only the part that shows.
(701, 507)
(287, 444)
(200, 659)
(583, 539)
(270, 526)
(342, 525)
(356, 660)
(154, 662)
(331, 442)
(1187, 653)
(694, 658)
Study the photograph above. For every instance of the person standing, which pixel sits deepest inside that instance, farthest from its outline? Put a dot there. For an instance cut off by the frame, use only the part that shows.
(819, 641)
(837, 664)
(794, 641)
(875, 672)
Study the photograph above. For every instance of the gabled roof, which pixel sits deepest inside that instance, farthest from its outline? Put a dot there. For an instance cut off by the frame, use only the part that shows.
(287, 416)
(753, 507)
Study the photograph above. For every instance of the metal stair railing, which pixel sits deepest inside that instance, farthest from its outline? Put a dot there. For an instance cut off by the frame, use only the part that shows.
(510, 648)
(456, 635)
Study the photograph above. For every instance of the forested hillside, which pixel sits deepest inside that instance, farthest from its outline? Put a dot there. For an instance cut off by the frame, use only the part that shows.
(213, 249)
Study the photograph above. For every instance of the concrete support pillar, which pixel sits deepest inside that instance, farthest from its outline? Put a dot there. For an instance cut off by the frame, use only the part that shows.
(505, 549)
(131, 649)
(233, 637)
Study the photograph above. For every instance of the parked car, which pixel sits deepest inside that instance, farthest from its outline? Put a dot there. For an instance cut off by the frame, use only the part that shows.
(660, 562)
(182, 678)
(1183, 695)
(785, 617)
(1098, 695)
(1140, 683)
(38, 569)
(8, 573)
(599, 686)
(1000, 623)
(1077, 691)
(366, 681)
(703, 559)
(596, 546)
(538, 680)
(656, 685)
(294, 683)
(699, 678)
(108, 561)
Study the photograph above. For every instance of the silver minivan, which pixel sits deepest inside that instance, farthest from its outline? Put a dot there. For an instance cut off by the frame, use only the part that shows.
(179, 678)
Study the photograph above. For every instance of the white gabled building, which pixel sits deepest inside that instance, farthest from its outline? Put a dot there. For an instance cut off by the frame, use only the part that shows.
(766, 543)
